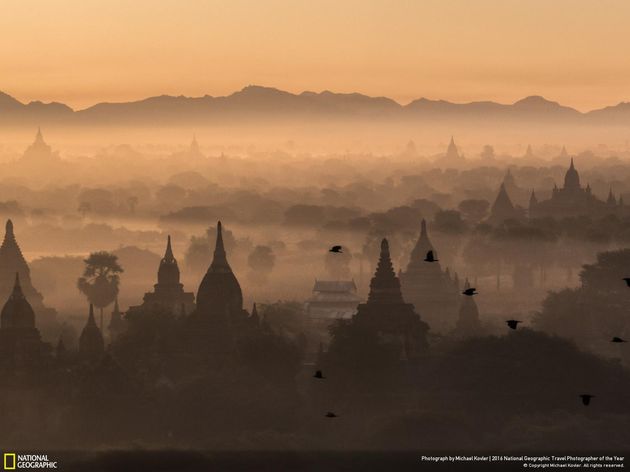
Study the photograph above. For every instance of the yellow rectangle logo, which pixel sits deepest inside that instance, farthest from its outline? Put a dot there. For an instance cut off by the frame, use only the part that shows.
(9, 461)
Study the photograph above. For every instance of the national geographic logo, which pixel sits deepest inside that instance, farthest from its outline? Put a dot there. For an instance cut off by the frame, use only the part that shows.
(13, 461)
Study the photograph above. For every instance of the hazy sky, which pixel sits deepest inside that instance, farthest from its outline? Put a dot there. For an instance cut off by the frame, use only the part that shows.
(85, 51)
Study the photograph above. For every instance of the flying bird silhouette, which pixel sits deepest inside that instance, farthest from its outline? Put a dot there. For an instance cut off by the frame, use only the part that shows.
(618, 340)
(330, 414)
(430, 257)
(319, 375)
(336, 249)
(513, 323)
(470, 291)
(586, 398)
(627, 279)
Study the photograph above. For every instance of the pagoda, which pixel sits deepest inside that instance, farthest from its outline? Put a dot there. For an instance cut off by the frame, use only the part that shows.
(21, 347)
(431, 290)
(168, 293)
(387, 312)
(91, 344)
(11, 262)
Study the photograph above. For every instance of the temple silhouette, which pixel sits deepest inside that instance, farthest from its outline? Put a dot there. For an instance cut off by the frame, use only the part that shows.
(21, 347)
(574, 200)
(39, 152)
(431, 290)
(11, 262)
(387, 313)
(168, 293)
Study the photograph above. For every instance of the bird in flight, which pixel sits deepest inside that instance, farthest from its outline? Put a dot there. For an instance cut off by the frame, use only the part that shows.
(470, 291)
(627, 279)
(586, 398)
(513, 323)
(618, 340)
(330, 414)
(430, 257)
(319, 375)
(336, 249)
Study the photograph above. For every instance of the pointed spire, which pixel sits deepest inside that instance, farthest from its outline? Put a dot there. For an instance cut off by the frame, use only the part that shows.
(116, 308)
(254, 316)
(91, 321)
(385, 286)
(532, 198)
(9, 230)
(220, 258)
(17, 288)
(168, 254)
(466, 284)
(39, 138)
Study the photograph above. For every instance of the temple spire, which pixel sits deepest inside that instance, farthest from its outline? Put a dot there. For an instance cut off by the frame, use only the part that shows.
(385, 286)
(220, 258)
(168, 254)
(91, 321)
(17, 288)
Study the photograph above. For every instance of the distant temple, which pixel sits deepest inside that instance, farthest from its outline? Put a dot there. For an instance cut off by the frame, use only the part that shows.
(193, 152)
(503, 209)
(452, 158)
(387, 312)
(116, 322)
(39, 152)
(468, 323)
(21, 347)
(11, 262)
(220, 293)
(333, 299)
(574, 200)
(91, 344)
(168, 294)
(432, 291)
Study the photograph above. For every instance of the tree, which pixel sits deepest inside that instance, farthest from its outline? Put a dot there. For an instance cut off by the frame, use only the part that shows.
(261, 260)
(474, 210)
(100, 279)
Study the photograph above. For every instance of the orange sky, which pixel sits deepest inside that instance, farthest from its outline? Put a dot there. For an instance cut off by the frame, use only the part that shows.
(84, 51)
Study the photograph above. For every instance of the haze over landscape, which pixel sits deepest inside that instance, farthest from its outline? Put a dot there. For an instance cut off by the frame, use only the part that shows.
(347, 230)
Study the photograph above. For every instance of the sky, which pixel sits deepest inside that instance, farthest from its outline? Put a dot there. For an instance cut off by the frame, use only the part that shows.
(82, 52)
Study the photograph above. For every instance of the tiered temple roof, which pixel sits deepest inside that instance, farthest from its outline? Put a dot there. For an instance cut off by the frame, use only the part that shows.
(432, 291)
(387, 312)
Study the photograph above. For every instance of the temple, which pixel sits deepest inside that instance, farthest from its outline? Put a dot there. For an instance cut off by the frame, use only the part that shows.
(468, 323)
(331, 300)
(116, 323)
(11, 262)
(220, 293)
(91, 344)
(21, 348)
(39, 152)
(574, 200)
(503, 209)
(452, 158)
(387, 313)
(168, 293)
(432, 291)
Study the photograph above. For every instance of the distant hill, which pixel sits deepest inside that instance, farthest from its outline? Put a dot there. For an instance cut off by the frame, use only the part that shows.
(255, 103)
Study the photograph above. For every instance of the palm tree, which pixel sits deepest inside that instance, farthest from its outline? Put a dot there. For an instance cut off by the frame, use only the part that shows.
(100, 279)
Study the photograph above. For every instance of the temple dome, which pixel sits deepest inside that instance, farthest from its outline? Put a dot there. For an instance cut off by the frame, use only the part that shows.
(219, 291)
(168, 273)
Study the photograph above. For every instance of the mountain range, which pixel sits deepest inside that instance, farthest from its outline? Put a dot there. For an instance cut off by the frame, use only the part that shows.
(256, 102)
